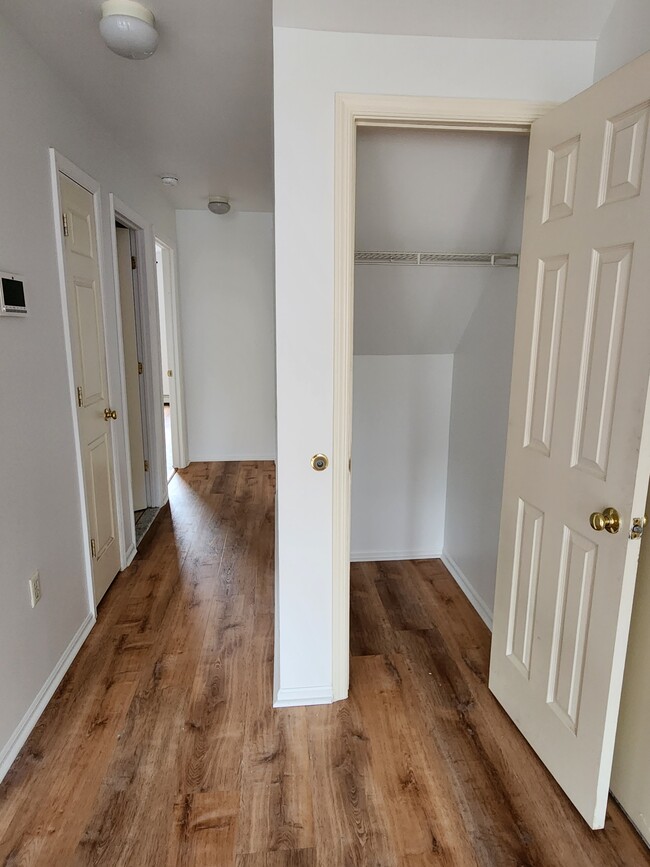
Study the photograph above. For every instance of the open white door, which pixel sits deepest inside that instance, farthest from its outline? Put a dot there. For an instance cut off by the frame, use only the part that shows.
(577, 440)
(89, 363)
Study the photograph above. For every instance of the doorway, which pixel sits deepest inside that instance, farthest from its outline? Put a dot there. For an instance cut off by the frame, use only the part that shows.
(136, 303)
(163, 279)
(129, 279)
(434, 309)
(584, 205)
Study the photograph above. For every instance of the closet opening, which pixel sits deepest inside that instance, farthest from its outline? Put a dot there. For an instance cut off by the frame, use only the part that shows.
(439, 217)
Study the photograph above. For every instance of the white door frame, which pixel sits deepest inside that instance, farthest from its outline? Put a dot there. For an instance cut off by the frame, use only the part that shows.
(352, 111)
(174, 354)
(59, 164)
(146, 299)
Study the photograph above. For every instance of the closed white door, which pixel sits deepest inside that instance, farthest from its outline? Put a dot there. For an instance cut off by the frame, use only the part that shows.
(132, 368)
(578, 438)
(89, 364)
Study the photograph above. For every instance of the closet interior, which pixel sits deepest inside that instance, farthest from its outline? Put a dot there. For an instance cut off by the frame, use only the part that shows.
(438, 231)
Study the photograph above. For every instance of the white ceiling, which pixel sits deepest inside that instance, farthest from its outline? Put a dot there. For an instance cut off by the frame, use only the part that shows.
(481, 19)
(432, 191)
(201, 107)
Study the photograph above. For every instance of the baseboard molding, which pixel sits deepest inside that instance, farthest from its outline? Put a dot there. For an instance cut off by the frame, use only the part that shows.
(25, 727)
(378, 556)
(478, 603)
(224, 458)
(130, 555)
(300, 696)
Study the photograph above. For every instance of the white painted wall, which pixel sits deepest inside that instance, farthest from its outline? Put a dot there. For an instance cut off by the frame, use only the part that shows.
(40, 504)
(625, 35)
(477, 449)
(227, 302)
(310, 68)
(400, 446)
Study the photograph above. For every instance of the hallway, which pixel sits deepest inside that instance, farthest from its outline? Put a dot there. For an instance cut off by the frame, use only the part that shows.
(161, 747)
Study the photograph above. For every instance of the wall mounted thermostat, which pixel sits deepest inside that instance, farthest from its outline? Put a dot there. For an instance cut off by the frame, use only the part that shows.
(12, 295)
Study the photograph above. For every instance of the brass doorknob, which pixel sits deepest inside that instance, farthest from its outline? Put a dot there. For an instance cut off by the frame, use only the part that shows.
(110, 414)
(608, 519)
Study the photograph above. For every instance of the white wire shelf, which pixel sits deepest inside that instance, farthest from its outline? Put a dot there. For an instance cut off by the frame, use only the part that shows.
(495, 260)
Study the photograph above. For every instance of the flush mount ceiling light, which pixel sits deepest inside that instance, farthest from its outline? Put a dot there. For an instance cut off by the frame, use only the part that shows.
(128, 28)
(218, 205)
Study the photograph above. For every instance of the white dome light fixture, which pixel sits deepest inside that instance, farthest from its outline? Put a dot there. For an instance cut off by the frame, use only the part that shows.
(128, 28)
(218, 205)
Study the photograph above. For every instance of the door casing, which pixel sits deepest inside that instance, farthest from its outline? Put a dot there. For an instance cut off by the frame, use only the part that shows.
(107, 207)
(59, 164)
(406, 112)
(174, 355)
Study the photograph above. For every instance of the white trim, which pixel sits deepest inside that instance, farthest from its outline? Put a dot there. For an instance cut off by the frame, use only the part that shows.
(354, 110)
(478, 603)
(26, 725)
(153, 429)
(129, 556)
(381, 556)
(59, 164)
(180, 452)
(300, 696)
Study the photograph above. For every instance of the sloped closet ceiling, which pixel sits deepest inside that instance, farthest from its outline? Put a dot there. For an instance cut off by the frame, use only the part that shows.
(433, 191)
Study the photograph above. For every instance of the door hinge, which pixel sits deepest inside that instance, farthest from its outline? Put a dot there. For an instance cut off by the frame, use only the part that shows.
(93, 549)
(170, 373)
(146, 466)
(66, 230)
(80, 396)
(140, 367)
(134, 263)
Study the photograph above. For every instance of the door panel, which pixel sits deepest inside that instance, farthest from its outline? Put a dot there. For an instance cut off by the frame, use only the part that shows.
(578, 438)
(91, 357)
(90, 373)
(100, 481)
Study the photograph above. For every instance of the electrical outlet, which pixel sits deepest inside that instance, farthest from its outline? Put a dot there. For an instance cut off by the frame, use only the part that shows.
(35, 589)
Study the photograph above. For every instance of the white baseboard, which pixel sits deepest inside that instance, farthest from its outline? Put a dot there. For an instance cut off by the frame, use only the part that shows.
(24, 729)
(478, 603)
(130, 556)
(378, 556)
(300, 696)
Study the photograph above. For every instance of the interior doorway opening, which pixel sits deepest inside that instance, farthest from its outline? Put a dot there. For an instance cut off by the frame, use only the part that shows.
(134, 353)
(434, 311)
(163, 269)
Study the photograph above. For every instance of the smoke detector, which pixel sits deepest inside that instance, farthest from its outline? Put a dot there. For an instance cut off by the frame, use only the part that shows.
(218, 205)
(169, 180)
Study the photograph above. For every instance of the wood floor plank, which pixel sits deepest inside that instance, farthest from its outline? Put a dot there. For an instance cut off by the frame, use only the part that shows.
(161, 746)
(204, 830)
(276, 803)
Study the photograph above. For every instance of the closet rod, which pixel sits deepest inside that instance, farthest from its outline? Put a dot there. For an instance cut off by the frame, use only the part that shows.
(497, 260)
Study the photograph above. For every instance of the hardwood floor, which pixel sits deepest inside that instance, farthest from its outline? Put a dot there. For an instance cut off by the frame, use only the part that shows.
(161, 747)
